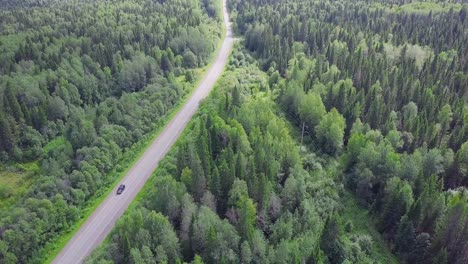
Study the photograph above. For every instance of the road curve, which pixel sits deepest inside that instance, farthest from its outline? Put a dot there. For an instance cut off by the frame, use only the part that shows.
(100, 223)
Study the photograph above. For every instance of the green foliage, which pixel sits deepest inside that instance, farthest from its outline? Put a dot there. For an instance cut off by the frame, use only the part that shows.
(330, 132)
(375, 93)
(255, 181)
(427, 7)
(399, 87)
(15, 181)
(150, 239)
(77, 94)
(364, 232)
(311, 109)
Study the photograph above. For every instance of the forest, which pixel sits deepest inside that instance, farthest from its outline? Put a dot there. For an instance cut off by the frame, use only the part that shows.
(390, 86)
(337, 134)
(325, 107)
(81, 83)
(235, 189)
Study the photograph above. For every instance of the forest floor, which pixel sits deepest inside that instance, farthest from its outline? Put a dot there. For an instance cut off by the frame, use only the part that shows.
(363, 224)
(15, 181)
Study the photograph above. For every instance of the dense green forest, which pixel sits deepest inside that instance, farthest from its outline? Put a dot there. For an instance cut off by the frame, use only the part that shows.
(238, 189)
(379, 91)
(80, 83)
(393, 77)
(338, 133)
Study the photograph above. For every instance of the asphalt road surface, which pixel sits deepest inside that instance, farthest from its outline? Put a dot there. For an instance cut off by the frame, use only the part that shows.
(100, 223)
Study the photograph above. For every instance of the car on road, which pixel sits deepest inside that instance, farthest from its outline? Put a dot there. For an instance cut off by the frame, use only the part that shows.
(121, 189)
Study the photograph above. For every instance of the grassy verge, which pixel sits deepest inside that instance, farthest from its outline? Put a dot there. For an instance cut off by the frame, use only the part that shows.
(52, 249)
(363, 224)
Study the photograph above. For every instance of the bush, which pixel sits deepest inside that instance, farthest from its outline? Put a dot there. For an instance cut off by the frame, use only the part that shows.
(5, 192)
(349, 227)
(190, 76)
(189, 59)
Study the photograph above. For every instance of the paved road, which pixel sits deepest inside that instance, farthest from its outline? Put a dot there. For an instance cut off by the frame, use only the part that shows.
(100, 223)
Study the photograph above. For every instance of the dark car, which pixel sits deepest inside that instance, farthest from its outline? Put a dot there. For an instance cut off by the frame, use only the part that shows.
(121, 189)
